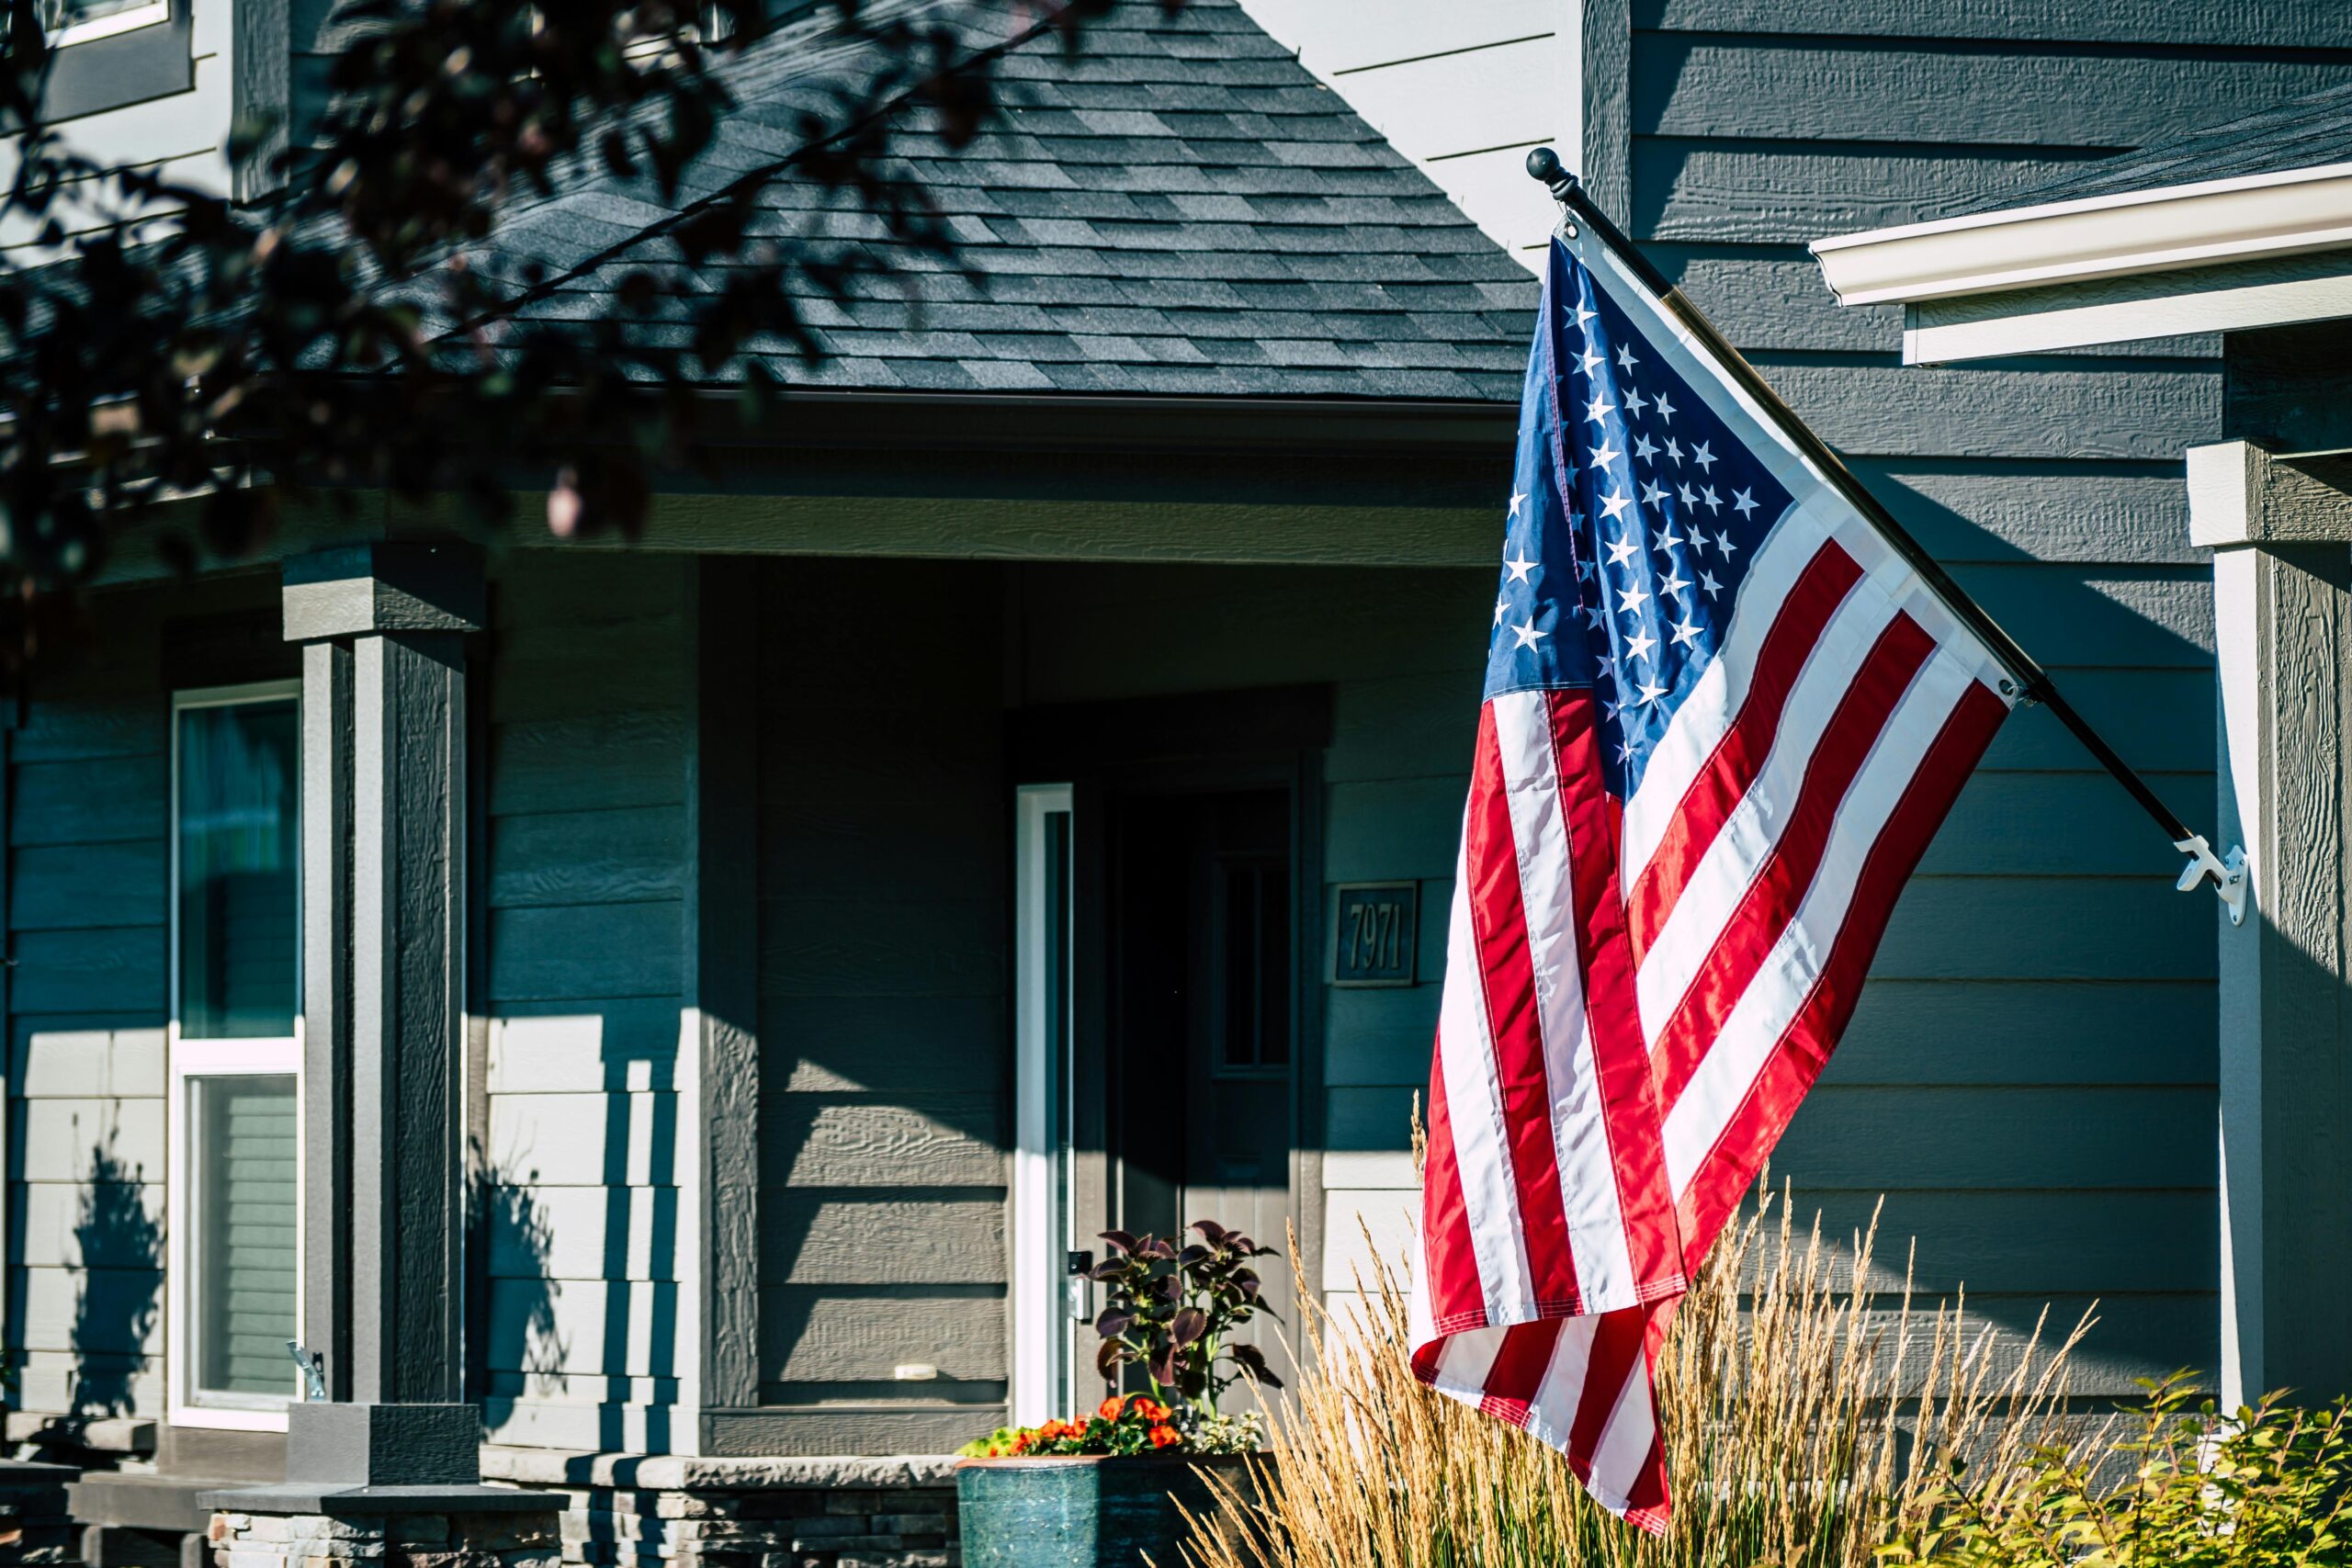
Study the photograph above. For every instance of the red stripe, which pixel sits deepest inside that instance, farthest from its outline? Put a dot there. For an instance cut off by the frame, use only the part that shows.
(1647, 1502)
(1457, 1296)
(1519, 1369)
(1803, 1048)
(1612, 1013)
(1721, 781)
(1779, 888)
(1616, 1346)
(1498, 926)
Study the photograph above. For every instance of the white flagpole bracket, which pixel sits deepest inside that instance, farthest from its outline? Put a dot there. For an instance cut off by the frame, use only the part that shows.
(2230, 881)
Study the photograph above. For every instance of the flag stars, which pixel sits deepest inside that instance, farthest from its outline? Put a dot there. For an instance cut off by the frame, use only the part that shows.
(1663, 539)
(1645, 449)
(1674, 450)
(1518, 497)
(1529, 634)
(1708, 585)
(1690, 497)
(1742, 502)
(1589, 361)
(1603, 455)
(1638, 646)
(1631, 599)
(1651, 693)
(1686, 633)
(1598, 408)
(1723, 543)
(1519, 567)
(1635, 402)
(1700, 455)
(1715, 502)
(1652, 493)
(1664, 410)
(1502, 608)
(1611, 505)
(1626, 357)
(1681, 591)
(1620, 551)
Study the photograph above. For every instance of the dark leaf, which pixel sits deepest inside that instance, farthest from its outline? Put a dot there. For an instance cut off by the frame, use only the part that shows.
(1188, 1326)
(1113, 1322)
(1120, 1240)
(1211, 1232)
(1108, 1359)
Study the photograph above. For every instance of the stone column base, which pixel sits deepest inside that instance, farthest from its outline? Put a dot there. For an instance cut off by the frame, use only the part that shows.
(472, 1526)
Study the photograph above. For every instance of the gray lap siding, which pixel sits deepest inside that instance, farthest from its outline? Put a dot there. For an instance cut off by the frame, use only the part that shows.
(2029, 1079)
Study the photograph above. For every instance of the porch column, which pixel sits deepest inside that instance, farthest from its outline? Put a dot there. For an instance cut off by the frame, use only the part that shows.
(2282, 612)
(383, 628)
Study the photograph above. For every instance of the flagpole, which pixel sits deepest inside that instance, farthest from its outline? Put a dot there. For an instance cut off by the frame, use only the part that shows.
(2033, 681)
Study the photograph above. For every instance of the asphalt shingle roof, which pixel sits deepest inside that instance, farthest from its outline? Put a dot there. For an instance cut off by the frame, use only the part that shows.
(1177, 208)
(2301, 133)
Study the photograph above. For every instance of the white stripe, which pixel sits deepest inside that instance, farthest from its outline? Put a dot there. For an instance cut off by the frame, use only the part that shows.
(1699, 725)
(1539, 826)
(1712, 898)
(1624, 1445)
(1463, 1365)
(1474, 1108)
(1791, 970)
(1551, 1414)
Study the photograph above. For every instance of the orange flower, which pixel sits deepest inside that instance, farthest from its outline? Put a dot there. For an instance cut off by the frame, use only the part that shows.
(1149, 1409)
(1163, 1434)
(1109, 1408)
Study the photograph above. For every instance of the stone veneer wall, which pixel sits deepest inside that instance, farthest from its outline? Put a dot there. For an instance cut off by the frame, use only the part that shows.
(661, 1511)
(34, 1527)
(399, 1540)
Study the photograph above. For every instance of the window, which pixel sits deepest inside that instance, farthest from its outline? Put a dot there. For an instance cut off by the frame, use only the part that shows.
(114, 53)
(80, 21)
(236, 977)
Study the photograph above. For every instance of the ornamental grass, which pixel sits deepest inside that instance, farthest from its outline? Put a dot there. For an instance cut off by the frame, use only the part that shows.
(1809, 1424)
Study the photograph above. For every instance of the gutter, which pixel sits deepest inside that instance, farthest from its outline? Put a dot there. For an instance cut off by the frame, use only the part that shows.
(2286, 213)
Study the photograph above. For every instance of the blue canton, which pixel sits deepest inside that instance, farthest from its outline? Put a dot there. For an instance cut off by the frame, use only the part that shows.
(1633, 516)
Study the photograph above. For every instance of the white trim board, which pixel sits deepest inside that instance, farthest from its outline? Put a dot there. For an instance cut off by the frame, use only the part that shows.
(2272, 292)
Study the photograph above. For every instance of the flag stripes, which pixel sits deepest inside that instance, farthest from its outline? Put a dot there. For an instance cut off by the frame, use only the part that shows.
(1723, 718)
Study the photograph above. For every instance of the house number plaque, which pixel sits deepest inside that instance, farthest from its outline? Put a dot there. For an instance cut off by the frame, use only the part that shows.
(1374, 932)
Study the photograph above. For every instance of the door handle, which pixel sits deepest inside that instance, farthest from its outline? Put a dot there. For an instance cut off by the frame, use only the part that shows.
(1080, 1300)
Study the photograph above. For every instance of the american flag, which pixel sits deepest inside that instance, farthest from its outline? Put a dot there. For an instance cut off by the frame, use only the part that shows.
(1723, 718)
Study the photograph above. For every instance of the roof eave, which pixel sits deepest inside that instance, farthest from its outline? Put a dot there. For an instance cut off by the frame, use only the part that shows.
(2289, 212)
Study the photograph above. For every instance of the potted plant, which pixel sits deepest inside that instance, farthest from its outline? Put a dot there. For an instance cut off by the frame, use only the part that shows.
(1107, 1489)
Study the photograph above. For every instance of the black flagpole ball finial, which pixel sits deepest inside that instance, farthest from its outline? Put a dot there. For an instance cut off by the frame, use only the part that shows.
(1543, 164)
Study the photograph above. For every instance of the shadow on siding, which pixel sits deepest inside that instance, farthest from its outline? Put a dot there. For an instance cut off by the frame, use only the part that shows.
(120, 1283)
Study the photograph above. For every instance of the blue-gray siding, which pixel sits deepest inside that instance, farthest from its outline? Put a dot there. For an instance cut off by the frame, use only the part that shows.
(588, 691)
(2029, 1079)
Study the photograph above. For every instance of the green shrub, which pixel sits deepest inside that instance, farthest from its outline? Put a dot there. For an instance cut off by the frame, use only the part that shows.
(2264, 1488)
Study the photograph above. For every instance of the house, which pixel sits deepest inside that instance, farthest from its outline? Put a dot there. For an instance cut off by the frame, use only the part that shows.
(715, 985)
(2235, 230)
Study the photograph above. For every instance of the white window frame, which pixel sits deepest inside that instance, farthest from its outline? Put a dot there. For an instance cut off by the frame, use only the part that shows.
(1042, 1301)
(120, 22)
(193, 1059)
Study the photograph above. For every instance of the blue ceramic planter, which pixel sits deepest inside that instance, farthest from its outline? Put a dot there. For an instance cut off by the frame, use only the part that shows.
(1087, 1513)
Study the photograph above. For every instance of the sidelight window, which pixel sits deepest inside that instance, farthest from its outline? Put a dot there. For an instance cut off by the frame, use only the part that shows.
(236, 944)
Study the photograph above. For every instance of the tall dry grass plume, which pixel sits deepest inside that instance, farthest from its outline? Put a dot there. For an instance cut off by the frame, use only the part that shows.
(1805, 1424)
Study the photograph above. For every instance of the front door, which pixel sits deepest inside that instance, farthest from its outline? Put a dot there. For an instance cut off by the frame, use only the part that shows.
(1157, 1012)
(1202, 1011)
